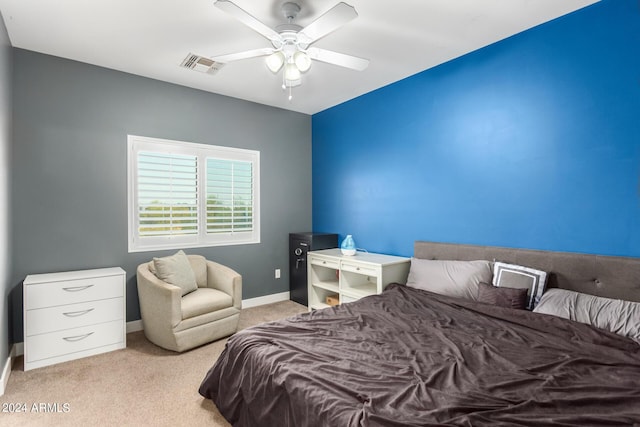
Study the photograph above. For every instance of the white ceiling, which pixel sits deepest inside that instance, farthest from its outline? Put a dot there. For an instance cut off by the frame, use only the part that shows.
(151, 38)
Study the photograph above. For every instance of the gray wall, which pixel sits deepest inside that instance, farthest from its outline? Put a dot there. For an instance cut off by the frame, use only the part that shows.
(6, 65)
(71, 122)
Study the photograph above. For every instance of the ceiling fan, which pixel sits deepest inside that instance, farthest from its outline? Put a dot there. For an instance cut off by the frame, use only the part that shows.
(291, 44)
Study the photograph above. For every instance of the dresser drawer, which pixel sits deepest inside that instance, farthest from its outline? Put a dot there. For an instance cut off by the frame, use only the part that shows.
(359, 268)
(59, 343)
(43, 320)
(323, 262)
(72, 291)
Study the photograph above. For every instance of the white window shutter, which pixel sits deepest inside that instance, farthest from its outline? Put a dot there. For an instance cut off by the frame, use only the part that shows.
(183, 195)
(167, 194)
(229, 196)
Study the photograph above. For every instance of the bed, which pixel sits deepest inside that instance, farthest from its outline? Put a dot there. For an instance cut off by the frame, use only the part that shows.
(413, 357)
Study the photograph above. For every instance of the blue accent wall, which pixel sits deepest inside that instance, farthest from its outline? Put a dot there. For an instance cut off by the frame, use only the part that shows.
(532, 142)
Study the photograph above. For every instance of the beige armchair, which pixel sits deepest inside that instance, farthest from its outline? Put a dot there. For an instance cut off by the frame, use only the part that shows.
(180, 323)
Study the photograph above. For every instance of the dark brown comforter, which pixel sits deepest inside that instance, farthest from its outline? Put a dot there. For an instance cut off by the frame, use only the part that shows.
(412, 358)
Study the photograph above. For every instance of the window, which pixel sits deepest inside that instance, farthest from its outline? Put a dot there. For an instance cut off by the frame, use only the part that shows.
(183, 194)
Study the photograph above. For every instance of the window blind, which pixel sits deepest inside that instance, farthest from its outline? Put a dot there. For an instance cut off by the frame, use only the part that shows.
(167, 194)
(183, 194)
(229, 196)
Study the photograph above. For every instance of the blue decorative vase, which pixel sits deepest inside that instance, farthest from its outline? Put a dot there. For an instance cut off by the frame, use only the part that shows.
(348, 246)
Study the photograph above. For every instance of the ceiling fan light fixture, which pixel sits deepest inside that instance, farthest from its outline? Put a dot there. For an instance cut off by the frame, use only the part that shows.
(291, 52)
(275, 61)
(302, 61)
(291, 72)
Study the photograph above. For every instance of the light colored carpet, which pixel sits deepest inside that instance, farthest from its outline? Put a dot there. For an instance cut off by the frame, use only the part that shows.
(139, 386)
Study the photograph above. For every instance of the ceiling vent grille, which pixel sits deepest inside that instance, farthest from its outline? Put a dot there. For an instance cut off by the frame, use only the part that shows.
(201, 64)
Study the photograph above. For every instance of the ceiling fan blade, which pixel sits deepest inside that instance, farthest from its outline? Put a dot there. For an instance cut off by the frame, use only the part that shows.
(243, 55)
(330, 21)
(247, 19)
(335, 58)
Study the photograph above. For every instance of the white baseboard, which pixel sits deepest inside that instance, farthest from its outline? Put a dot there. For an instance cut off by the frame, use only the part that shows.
(267, 299)
(6, 371)
(136, 325)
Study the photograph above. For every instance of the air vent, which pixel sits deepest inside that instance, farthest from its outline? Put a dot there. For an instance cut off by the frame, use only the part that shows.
(201, 64)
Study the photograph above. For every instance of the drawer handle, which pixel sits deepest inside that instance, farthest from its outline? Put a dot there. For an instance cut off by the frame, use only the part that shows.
(77, 288)
(77, 337)
(78, 313)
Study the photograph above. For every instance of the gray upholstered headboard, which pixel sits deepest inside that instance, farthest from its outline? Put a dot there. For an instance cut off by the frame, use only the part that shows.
(606, 276)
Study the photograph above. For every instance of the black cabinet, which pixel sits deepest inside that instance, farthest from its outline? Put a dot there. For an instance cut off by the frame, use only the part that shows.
(299, 245)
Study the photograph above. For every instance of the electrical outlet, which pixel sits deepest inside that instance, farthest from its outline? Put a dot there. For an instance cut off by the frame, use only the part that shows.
(277, 273)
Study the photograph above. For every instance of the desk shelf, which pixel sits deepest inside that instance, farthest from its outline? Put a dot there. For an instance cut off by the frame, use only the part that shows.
(351, 277)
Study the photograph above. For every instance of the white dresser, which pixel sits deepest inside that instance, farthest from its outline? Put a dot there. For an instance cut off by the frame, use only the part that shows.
(351, 277)
(72, 315)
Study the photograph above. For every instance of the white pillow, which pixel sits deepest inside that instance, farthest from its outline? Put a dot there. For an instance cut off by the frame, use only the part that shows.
(452, 278)
(517, 276)
(176, 270)
(614, 315)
